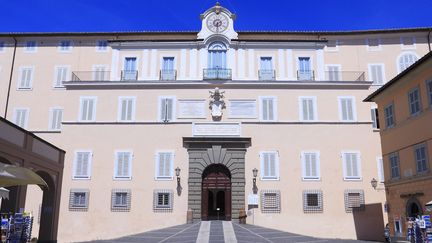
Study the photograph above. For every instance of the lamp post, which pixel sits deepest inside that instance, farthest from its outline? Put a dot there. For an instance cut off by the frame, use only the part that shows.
(374, 183)
(254, 188)
(179, 188)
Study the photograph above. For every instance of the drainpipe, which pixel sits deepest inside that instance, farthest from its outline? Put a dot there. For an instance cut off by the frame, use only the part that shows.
(428, 38)
(10, 77)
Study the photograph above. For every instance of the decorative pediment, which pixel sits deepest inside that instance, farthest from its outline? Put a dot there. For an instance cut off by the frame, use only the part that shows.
(217, 21)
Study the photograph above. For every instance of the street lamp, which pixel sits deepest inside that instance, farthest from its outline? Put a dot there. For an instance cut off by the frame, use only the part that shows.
(179, 188)
(374, 183)
(254, 188)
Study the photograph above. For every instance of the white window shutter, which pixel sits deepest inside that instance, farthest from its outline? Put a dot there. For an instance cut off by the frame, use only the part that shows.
(350, 114)
(170, 109)
(90, 109)
(355, 165)
(129, 109)
(272, 161)
(305, 109)
(265, 109)
(313, 162)
(380, 170)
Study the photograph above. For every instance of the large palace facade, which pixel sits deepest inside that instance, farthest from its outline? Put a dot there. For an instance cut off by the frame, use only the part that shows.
(162, 126)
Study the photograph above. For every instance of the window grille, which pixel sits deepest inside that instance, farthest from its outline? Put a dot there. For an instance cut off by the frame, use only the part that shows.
(163, 201)
(270, 201)
(354, 200)
(79, 200)
(313, 201)
(120, 200)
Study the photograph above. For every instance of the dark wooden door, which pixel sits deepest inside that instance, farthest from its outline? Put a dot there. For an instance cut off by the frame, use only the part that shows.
(216, 181)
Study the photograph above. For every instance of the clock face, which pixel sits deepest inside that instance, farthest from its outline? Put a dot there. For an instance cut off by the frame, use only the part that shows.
(217, 23)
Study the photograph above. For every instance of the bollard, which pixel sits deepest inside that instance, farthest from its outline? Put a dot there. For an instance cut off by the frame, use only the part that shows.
(242, 216)
(189, 216)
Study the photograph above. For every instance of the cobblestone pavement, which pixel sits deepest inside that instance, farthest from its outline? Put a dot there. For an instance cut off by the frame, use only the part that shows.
(218, 232)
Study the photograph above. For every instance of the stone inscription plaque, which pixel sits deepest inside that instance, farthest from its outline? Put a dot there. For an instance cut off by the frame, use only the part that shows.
(216, 129)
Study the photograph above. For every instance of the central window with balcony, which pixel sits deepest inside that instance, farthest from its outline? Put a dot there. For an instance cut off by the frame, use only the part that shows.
(217, 63)
(167, 71)
(266, 71)
(130, 71)
(304, 71)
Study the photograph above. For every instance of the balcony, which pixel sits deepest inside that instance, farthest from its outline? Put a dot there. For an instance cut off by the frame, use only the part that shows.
(167, 75)
(129, 75)
(267, 74)
(344, 76)
(91, 76)
(217, 74)
(305, 75)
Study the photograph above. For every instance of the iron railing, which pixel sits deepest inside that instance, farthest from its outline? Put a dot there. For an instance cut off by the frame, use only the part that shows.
(91, 75)
(267, 74)
(127, 75)
(217, 74)
(344, 76)
(305, 75)
(168, 74)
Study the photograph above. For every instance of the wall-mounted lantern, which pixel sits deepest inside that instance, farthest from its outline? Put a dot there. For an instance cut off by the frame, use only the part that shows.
(255, 174)
(179, 188)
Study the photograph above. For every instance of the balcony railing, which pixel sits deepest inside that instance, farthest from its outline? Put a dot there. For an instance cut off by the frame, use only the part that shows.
(344, 76)
(91, 76)
(267, 74)
(305, 75)
(216, 74)
(168, 74)
(127, 75)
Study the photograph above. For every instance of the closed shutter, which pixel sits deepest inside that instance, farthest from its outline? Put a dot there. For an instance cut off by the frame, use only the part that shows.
(20, 118)
(56, 119)
(305, 109)
(347, 109)
(269, 165)
(333, 73)
(87, 109)
(310, 166)
(268, 109)
(164, 165)
(61, 73)
(90, 109)
(352, 166)
(406, 60)
(380, 170)
(166, 109)
(26, 76)
(82, 165)
(377, 74)
(123, 164)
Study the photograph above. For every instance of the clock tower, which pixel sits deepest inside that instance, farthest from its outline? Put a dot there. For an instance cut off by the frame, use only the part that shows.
(217, 21)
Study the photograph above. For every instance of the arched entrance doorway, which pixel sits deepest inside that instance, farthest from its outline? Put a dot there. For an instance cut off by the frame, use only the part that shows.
(413, 208)
(216, 193)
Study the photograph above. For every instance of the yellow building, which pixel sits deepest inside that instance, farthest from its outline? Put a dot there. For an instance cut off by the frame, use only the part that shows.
(130, 108)
(405, 112)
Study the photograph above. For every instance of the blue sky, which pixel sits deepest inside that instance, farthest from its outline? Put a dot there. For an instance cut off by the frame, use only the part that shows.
(150, 15)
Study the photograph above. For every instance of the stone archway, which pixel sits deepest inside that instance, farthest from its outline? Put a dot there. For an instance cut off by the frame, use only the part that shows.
(413, 208)
(204, 152)
(216, 193)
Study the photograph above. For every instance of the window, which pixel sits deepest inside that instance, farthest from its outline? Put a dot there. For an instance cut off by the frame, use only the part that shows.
(380, 168)
(123, 165)
(166, 109)
(373, 44)
(168, 70)
(310, 165)
(347, 111)
(100, 73)
(56, 117)
(26, 78)
(192, 108)
(304, 69)
(61, 75)
(217, 56)
(407, 42)
(20, 117)
(307, 108)
(375, 118)
(270, 201)
(162, 201)
(312, 201)
(269, 165)
(266, 71)
(120, 200)
(354, 200)
(31, 46)
(389, 115)
(376, 73)
(421, 158)
(87, 109)
(429, 91)
(242, 109)
(351, 165)
(333, 73)
(130, 69)
(101, 45)
(394, 166)
(414, 102)
(406, 60)
(79, 200)
(126, 109)
(164, 165)
(268, 108)
(82, 165)
(65, 46)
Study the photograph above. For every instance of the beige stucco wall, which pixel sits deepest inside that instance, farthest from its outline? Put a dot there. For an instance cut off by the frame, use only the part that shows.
(146, 137)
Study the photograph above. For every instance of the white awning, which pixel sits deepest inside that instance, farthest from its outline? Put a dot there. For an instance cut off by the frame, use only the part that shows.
(429, 203)
(4, 193)
(11, 175)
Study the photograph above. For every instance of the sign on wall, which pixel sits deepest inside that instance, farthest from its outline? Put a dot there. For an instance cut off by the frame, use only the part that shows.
(216, 129)
(191, 109)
